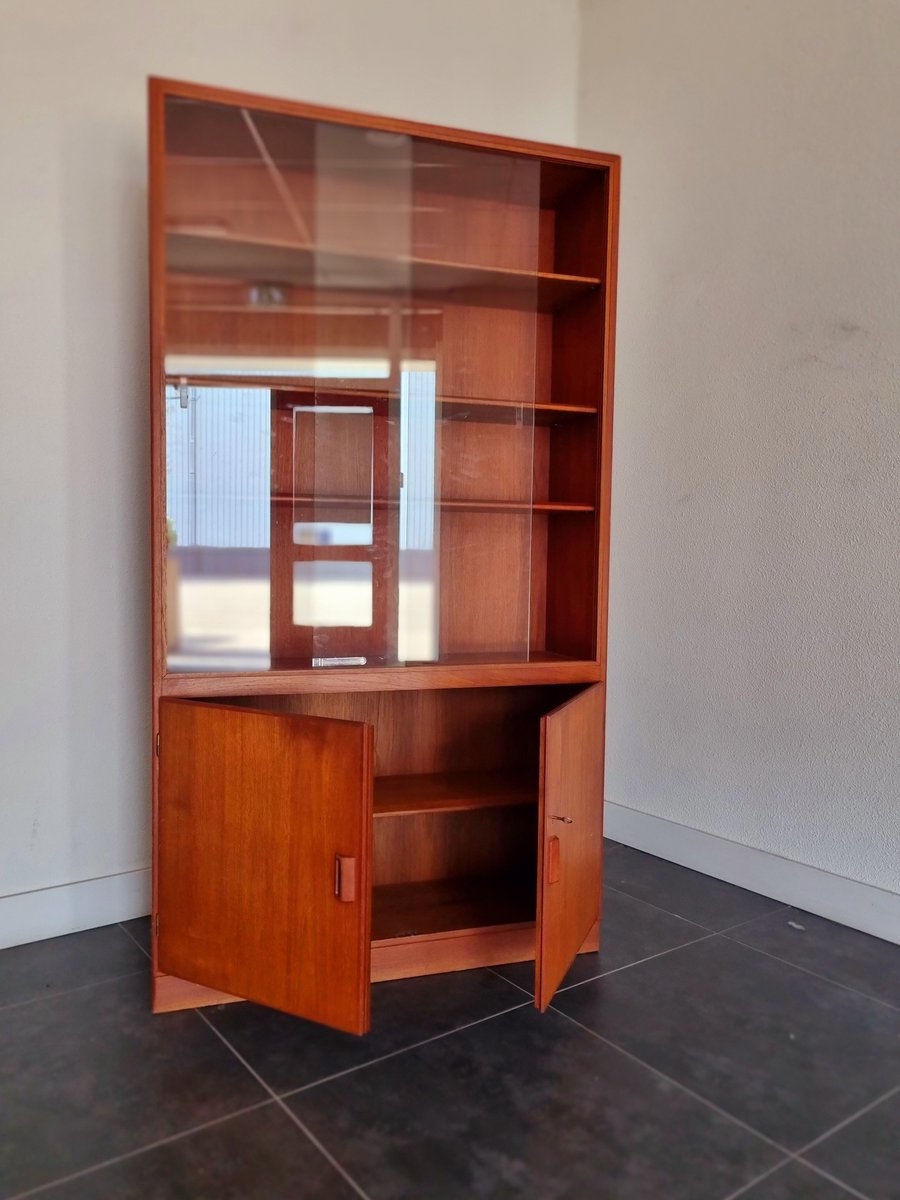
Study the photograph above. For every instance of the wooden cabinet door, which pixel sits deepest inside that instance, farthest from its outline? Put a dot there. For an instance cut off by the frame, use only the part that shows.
(570, 815)
(264, 851)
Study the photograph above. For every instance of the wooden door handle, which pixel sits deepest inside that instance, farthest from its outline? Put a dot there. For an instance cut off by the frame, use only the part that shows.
(345, 877)
(552, 871)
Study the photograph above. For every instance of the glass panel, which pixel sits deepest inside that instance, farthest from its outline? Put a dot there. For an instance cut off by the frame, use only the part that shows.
(352, 340)
(333, 593)
(218, 509)
(333, 451)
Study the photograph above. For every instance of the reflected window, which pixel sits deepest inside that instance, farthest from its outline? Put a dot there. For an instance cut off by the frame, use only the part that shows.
(219, 527)
(333, 594)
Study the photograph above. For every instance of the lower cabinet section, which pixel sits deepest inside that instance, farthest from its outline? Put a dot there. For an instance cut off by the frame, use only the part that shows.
(309, 845)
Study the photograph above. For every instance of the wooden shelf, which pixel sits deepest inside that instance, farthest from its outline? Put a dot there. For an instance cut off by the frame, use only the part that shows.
(487, 506)
(291, 677)
(409, 910)
(451, 791)
(458, 408)
(450, 408)
(288, 263)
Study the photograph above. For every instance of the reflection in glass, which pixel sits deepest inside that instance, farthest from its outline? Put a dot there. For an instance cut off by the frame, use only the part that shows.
(333, 593)
(351, 339)
(218, 510)
(333, 453)
(419, 566)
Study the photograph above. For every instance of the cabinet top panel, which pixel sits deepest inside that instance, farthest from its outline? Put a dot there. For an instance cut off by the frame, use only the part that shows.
(161, 88)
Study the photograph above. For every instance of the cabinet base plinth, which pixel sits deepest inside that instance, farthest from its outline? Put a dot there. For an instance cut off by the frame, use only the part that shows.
(397, 958)
(171, 994)
(456, 950)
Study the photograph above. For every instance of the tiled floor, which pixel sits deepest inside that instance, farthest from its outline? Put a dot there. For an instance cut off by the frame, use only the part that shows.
(720, 1046)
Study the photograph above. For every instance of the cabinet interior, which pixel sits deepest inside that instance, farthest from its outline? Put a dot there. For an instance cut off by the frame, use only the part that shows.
(455, 795)
(424, 323)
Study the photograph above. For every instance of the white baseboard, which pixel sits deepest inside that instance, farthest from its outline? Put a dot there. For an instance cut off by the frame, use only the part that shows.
(69, 907)
(847, 901)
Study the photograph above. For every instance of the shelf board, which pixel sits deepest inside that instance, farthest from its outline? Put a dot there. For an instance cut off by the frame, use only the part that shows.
(288, 677)
(454, 408)
(401, 910)
(452, 791)
(289, 263)
(505, 411)
(488, 506)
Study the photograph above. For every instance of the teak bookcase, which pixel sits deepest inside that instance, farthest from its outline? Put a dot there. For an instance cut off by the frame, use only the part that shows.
(382, 365)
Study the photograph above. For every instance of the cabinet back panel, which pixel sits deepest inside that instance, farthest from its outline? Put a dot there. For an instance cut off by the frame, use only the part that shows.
(488, 352)
(483, 843)
(572, 585)
(485, 578)
(483, 461)
(580, 243)
(420, 733)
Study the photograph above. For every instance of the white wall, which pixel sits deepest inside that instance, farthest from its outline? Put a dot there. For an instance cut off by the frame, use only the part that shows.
(74, 706)
(755, 639)
(754, 685)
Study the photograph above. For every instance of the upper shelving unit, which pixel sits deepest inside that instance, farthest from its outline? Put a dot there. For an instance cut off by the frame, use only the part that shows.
(381, 357)
(266, 262)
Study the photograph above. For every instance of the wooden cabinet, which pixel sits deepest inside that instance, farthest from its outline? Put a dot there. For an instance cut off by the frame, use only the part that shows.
(382, 359)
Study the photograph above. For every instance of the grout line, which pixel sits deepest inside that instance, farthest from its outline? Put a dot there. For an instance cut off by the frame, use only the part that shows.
(525, 991)
(109, 1162)
(305, 1087)
(58, 994)
(848, 1120)
(779, 907)
(614, 970)
(681, 1087)
(794, 1158)
(637, 962)
(608, 887)
(848, 1188)
(815, 974)
(284, 1108)
(759, 917)
(143, 949)
(751, 1183)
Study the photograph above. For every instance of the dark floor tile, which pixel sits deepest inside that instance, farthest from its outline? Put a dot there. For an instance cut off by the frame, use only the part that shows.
(526, 1105)
(631, 930)
(261, 1155)
(867, 963)
(866, 1153)
(688, 894)
(64, 963)
(795, 1182)
(786, 1052)
(608, 843)
(288, 1052)
(139, 929)
(93, 1074)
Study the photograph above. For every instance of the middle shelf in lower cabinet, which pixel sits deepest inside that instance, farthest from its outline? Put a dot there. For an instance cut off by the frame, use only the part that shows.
(452, 791)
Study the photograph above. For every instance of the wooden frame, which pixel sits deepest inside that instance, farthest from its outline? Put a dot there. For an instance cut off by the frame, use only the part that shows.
(559, 317)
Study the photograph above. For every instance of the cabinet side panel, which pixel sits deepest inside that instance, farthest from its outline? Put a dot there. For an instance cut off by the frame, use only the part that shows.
(157, 276)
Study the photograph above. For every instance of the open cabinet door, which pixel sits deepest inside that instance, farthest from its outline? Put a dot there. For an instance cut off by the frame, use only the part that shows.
(570, 816)
(265, 834)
